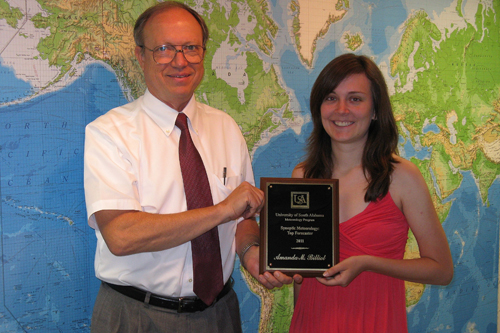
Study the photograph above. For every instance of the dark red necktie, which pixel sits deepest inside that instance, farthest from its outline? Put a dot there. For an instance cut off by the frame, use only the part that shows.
(207, 265)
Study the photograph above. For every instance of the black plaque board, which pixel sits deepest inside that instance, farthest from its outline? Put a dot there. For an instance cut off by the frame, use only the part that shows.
(299, 225)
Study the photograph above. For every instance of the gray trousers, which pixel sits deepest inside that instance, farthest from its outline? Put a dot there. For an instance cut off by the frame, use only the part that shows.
(117, 313)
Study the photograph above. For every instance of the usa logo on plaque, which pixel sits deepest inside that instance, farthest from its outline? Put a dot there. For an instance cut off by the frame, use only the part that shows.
(300, 200)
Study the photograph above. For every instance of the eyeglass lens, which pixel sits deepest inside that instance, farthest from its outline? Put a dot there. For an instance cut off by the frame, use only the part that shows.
(164, 54)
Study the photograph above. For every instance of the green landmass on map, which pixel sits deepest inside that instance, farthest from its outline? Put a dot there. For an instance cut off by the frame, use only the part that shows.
(104, 31)
(11, 15)
(353, 42)
(276, 305)
(265, 26)
(262, 95)
(101, 30)
(296, 27)
(449, 86)
(448, 91)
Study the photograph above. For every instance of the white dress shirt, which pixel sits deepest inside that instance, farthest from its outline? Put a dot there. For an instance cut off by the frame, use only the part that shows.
(132, 163)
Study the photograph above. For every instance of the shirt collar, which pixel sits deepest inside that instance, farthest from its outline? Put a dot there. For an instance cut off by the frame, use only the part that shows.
(164, 116)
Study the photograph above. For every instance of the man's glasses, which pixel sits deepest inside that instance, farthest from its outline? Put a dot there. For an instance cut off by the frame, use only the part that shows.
(164, 54)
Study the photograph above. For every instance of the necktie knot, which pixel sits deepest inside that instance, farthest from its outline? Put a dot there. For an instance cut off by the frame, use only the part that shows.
(181, 122)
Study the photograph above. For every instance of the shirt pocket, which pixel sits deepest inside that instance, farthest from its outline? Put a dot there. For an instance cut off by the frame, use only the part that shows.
(224, 187)
(226, 184)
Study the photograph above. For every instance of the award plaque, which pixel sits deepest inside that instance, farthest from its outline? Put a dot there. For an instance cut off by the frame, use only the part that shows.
(299, 225)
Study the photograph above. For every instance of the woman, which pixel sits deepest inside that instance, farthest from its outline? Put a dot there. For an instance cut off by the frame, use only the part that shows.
(355, 140)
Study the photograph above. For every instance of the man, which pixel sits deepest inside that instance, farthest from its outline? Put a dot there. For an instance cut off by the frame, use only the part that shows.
(137, 197)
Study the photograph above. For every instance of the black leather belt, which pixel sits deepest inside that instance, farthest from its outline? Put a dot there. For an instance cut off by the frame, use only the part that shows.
(180, 304)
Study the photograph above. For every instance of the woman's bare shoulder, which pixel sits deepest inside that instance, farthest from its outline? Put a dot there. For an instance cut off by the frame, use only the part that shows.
(298, 171)
(405, 169)
(406, 178)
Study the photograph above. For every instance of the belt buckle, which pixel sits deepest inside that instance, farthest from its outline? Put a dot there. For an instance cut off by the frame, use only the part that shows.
(180, 304)
(185, 304)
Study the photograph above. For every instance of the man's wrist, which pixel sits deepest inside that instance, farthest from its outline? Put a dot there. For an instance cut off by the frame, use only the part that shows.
(245, 249)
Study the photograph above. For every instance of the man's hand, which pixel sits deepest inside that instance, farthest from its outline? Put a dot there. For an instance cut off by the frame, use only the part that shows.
(245, 201)
(268, 280)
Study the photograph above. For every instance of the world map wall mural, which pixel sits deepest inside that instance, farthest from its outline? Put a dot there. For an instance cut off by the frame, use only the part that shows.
(63, 63)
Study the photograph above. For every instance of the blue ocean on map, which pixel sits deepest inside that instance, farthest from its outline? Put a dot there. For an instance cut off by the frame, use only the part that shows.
(12, 87)
(48, 248)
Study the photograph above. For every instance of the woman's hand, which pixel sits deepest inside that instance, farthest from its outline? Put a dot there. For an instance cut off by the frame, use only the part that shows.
(344, 272)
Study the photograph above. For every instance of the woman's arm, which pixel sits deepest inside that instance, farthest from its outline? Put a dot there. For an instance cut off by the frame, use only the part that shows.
(434, 266)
